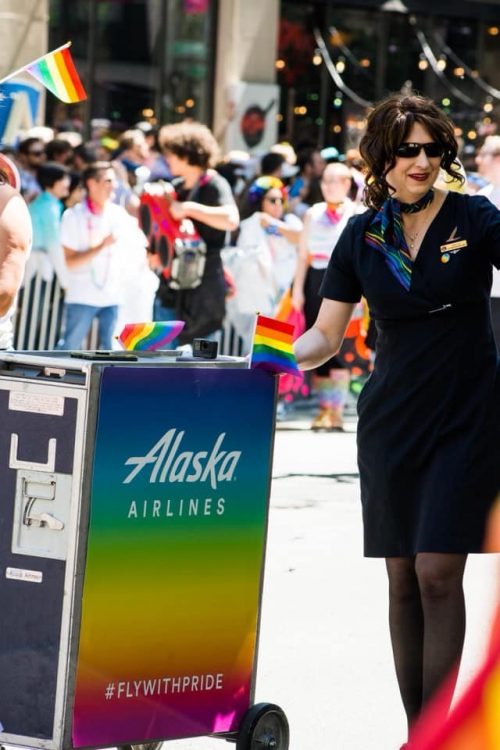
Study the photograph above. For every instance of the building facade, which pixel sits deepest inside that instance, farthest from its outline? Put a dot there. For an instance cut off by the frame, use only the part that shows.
(255, 72)
(336, 58)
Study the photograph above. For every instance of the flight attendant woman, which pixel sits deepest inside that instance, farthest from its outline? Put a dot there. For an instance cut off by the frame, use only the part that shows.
(429, 415)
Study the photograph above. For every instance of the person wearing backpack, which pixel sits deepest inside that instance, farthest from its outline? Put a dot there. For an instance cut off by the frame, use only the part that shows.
(194, 287)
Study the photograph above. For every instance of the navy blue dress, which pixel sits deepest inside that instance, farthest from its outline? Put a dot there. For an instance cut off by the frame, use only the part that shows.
(429, 415)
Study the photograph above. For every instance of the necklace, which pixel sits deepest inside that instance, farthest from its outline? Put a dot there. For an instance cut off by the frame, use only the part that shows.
(413, 208)
(412, 238)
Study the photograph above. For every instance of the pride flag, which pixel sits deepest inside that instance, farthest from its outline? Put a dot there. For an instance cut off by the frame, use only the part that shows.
(149, 336)
(273, 346)
(474, 722)
(56, 71)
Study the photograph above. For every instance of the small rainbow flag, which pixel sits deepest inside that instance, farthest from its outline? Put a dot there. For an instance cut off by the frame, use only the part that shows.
(273, 346)
(56, 71)
(149, 336)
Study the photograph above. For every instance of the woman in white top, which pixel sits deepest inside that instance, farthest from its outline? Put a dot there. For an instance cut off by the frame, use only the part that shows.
(323, 224)
(266, 262)
(268, 222)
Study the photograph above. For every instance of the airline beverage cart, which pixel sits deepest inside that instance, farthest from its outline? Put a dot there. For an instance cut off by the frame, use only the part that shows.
(133, 520)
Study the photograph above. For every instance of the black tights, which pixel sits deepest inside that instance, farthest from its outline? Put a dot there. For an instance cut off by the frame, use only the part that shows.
(427, 624)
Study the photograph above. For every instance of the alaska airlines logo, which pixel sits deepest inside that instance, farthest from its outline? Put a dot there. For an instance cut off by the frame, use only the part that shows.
(168, 463)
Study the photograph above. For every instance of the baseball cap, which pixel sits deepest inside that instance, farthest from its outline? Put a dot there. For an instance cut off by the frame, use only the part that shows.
(330, 153)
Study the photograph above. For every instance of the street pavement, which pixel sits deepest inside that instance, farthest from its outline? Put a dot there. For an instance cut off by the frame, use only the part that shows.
(324, 653)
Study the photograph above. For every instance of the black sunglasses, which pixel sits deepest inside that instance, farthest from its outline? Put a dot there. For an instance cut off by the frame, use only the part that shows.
(432, 150)
(36, 153)
(274, 200)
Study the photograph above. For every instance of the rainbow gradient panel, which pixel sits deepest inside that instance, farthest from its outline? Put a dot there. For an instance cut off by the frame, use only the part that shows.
(175, 553)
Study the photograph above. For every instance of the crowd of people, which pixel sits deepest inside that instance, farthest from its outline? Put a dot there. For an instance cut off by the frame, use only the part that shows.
(251, 231)
(389, 233)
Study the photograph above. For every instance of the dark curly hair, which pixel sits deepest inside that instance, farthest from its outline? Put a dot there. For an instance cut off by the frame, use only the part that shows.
(388, 126)
(192, 141)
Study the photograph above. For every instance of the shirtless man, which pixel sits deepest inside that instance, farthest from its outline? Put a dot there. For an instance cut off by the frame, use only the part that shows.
(15, 244)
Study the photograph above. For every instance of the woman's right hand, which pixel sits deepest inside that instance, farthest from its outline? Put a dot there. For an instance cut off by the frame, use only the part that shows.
(110, 239)
(154, 261)
(298, 298)
(263, 219)
(177, 210)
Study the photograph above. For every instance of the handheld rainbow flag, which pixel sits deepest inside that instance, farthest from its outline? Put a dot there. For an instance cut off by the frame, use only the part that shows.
(272, 348)
(149, 336)
(56, 71)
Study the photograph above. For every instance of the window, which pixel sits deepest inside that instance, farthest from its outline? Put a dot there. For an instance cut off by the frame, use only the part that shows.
(151, 60)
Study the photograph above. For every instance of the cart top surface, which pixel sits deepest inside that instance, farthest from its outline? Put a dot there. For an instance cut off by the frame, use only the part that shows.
(85, 360)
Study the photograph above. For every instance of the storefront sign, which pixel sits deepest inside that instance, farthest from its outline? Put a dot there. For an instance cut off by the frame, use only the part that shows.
(253, 108)
(19, 109)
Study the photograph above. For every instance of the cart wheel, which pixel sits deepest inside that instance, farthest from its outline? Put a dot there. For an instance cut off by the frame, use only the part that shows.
(263, 727)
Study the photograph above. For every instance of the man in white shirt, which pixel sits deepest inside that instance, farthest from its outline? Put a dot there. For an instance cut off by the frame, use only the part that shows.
(488, 166)
(91, 233)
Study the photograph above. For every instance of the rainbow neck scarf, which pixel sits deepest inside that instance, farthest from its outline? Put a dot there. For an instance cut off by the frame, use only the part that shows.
(385, 234)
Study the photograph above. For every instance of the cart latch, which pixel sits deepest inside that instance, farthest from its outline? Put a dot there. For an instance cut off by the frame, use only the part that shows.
(34, 491)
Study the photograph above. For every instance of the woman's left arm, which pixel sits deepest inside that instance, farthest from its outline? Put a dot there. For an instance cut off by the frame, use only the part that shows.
(321, 342)
(289, 232)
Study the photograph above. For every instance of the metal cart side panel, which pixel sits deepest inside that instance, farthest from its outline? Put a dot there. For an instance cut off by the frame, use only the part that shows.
(40, 454)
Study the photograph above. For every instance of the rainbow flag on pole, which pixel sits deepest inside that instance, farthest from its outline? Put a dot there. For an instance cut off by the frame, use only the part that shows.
(273, 346)
(149, 336)
(56, 71)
